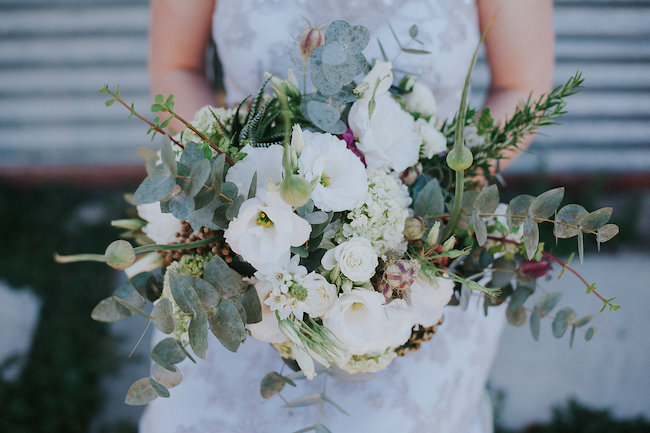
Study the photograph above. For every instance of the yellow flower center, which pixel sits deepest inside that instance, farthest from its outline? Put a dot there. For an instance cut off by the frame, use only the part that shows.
(356, 306)
(263, 220)
(324, 179)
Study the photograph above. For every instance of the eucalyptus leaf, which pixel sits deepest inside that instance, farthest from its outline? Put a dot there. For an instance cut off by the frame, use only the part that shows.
(168, 158)
(430, 200)
(307, 400)
(199, 174)
(252, 189)
(226, 324)
(107, 311)
(487, 200)
(596, 219)
(516, 317)
(166, 378)
(131, 307)
(531, 237)
(216, 173)
(251, 303)
(271, 385)
(480, 230)
(334, 54)
(146, 284)
(534, 323)
(168, 352)
(182, 206)
(205, 217)
(222, 277)
(502, 273)
(153, 189)
(318, 217)
(236, 301)
(191, 154)
(183, 292)
(161, 315)
(569, 214)
(519, 206)
(198, 333)
(204, 198)
(233, 208)
(333, 403)
(230, 190)
(590, 333)
(583, 321)
(545, 204)
(581, 247)
(325, 116)
(546, 303)
(207, 293)
(465, 294)
(573, 335)
(320, 428)
(560, 324)
(140, 393)
(160, 389)
(607, 232)
(518, 298)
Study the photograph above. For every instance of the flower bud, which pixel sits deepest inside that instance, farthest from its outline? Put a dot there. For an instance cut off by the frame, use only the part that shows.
(289, 330)
(119, 255)
(534, 269)
(434, 234)
(297, 139)
(449, 244)
(295, 190)
(414, 228)
(309, 40)
(460, 160)
(411, 174)
(400, 274)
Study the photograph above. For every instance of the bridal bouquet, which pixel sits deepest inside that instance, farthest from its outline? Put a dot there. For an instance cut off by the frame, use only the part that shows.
(334, 224)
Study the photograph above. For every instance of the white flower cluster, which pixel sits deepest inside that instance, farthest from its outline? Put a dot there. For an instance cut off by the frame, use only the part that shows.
(381, 218)
(204, 120)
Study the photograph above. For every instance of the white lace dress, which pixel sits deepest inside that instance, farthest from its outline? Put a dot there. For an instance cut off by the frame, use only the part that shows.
(438, 389)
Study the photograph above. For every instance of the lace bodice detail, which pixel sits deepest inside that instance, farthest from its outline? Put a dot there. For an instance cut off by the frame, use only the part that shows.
(438, 389)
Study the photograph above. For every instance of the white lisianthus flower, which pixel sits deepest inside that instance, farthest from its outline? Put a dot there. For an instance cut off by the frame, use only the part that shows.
(381, 76)
(265, 230)
(358, 319)
(388, 139)
(267, 330)
(433, 141)
(321, 295)
(305, 362)
(428, 298)
(420, 100)
(356, 259)
(341, 176)
(266, 161)
(161, 227)
(401, 318)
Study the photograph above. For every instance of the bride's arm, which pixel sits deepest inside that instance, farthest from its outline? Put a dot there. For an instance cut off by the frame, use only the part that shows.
(179, 34)
(519, 51)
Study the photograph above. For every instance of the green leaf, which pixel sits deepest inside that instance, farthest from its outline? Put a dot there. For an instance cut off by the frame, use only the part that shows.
(227, 281)
(318, 217)
(430, 200)
(487, 200)
(531, 237)
(569, 214)
(233, 208)
(198, 333)
(227, 326)
(216, 173)
(545, 204)
(206, 292)
(516, 317)
(583, 321)
(160, 389)
(154, 189)
(181, 206)
(191, 154)
(413, 31)
(166, 378)
(168, 352)
(415, 51)
(307, 400)
(596, 219)
(107, 311)
(502, 273)
(251, 302)
(131, 307)
(159, 99)
(168, 157)
(607, 232)
(320, 428)
(480, 229)
(333, 403)
(141, 392)
(534, 323)
(546, 303)
(334, 54)
(518, 297)
(325, 117)
(590, 333)
(183, 292)
(109, 102)
(230, 190)
(581, 246)
(199, 174)
(573, 335)
(271, 385)
(519, 206)
(161, 316)
(561, 322)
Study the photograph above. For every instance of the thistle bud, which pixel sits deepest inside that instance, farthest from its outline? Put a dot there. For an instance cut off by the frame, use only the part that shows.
(400, 274)
(434, 234)
(414, 228)
(460, 160)
(297, 139)
(449, 244)
(534, 269)
(119, 255)
(309, 40)
(295, 190)
(411, 174)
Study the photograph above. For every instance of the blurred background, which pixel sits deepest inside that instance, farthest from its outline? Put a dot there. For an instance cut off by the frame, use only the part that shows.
(66, 160)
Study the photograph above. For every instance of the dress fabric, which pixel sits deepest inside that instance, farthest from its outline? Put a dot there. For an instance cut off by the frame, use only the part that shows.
(441, 387)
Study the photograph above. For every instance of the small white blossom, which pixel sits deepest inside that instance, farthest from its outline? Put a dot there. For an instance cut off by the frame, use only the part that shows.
(433, 141)
(204, 121)
(420, 100)
(161, 227)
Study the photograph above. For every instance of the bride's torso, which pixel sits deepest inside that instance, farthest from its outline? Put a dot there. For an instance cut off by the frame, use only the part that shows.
(437, 389)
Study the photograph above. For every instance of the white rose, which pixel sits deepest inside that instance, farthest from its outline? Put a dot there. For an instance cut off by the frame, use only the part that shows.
(161, 227)
(359, 321)
(321, 295)
(265, 230)
(356, 258)
(341, 176)
(420, 100)
(433, 141)
(428, 298)
(267, 330)
(388, 139)
(266, 161)
(381, 75)
(401, 318)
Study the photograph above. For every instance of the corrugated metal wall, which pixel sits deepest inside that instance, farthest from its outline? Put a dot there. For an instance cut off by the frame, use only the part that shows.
(56, 54)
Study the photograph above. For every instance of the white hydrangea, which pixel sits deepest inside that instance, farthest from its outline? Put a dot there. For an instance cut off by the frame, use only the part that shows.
(381, 218)
(204, 121)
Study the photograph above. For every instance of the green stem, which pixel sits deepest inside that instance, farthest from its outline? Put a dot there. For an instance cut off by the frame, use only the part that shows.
(166, 247)
(79, 258)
